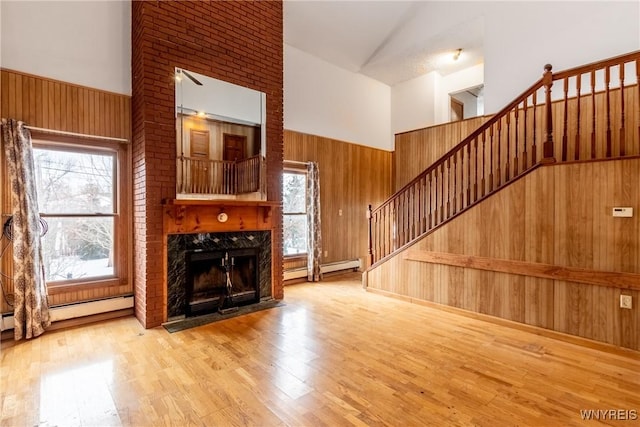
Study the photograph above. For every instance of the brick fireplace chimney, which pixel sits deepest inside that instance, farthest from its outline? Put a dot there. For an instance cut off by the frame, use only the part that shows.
(238, 42)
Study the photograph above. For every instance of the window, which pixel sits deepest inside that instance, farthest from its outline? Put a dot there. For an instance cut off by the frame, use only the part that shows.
(78, 199)
(294, 203)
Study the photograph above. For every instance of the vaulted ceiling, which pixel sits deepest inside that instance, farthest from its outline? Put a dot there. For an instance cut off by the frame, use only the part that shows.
(389, 41)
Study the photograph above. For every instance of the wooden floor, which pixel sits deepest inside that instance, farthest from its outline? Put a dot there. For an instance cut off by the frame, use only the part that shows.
(334, 356)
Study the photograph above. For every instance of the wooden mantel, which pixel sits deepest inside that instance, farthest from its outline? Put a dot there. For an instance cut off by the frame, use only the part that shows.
(204, 216)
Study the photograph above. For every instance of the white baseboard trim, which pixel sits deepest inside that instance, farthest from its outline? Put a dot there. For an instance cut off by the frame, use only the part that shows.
(299, 273)
(73, 311)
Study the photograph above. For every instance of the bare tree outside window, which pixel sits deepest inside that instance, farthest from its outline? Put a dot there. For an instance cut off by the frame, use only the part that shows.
(77, 198)
(294, 202)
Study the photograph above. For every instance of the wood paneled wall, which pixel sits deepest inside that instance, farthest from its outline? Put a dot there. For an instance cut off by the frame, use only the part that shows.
(560, 215)
(417, 150)
(52, 104)
(56, 105)
(351, 178)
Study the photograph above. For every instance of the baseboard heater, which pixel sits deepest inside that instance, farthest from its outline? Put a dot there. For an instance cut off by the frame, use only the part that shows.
(80, 309)
(325, 268)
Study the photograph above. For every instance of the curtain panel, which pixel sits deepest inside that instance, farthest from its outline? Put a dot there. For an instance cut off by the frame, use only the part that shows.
(314, 250)
(31, 308)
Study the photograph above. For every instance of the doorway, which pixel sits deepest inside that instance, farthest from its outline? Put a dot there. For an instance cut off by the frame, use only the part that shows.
(466, 103)
(457, 110)
(234, 147)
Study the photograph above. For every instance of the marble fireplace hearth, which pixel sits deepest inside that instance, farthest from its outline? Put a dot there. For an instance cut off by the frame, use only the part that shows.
(181, 246)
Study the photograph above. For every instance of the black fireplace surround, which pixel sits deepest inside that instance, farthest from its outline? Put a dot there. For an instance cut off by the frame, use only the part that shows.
(198, 266)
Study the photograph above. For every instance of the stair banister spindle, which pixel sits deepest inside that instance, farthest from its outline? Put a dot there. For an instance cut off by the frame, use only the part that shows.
(498, 140)
(607, 80)
(462, 175)
(524, 136)
(547, 81)
(484, 164)
(370, 217)
(475, 165)
(455, 181)
(565, 119)
(491, 158)
(534, 147)
(576, 155)
(448, 187)
(442, 192)
(469, 174)
(593, 114)
(431, 193)
(622, 138)
(515, 150)
(507, 160)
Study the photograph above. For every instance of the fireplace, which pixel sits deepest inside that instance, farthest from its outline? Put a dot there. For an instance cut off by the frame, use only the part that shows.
(220, 280)
(197, 268)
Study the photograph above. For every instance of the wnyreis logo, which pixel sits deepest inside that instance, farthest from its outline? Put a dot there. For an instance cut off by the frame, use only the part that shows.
(609, 414)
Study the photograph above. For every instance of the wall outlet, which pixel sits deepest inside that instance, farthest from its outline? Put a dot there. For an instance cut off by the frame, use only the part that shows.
(626, 301)
(326, 255)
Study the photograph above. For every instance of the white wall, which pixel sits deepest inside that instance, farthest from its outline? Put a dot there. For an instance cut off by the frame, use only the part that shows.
(521, 37)
(413, 103)
(455, 82)
(424, 101)
(82, 42)
(322, 99)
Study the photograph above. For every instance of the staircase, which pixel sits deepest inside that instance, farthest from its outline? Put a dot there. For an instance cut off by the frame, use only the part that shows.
(578, 115)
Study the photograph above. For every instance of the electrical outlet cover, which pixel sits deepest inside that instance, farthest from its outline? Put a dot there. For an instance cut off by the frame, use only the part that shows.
(626, 301)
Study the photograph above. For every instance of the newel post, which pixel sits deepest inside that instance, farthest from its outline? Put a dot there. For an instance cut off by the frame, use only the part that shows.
(370, 217)
(547, 148)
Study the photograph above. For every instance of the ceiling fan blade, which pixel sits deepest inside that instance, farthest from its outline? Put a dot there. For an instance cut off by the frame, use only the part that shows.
(193, 79)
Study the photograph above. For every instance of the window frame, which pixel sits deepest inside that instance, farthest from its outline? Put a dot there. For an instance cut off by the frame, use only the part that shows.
(301, 170)
(120, 213)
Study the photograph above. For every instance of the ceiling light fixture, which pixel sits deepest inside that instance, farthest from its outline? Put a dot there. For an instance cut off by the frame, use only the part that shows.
(456, 54)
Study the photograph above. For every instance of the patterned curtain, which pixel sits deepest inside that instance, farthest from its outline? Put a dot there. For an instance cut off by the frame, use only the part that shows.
(314, 241)
(31, 307)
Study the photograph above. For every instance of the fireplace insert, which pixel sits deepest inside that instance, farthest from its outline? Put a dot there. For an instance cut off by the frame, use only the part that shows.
(220, 280)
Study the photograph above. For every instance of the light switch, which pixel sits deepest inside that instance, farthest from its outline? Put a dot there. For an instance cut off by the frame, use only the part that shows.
(623, 212)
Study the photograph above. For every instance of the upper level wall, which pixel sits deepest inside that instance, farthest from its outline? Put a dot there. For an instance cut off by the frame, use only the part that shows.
(86, 43)
(424, 101)
(322, 99)
(521, 37)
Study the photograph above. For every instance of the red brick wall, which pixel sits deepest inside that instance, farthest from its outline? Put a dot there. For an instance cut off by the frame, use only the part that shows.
(237, 41)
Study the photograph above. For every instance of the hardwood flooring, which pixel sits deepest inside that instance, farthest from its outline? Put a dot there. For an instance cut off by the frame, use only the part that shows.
(335, 355)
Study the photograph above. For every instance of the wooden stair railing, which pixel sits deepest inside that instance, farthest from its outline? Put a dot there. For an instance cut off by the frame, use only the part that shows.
(593, 112)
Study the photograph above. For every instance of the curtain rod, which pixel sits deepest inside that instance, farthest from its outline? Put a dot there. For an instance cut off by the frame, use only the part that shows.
(295, 162)
(81, 135)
